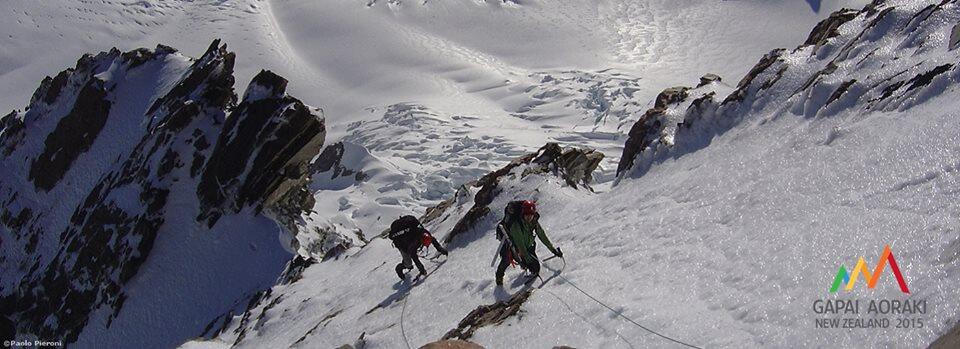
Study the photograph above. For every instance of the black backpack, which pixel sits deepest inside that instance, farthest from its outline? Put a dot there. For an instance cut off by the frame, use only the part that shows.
(404, 227)
(513, 210)
(511, 213)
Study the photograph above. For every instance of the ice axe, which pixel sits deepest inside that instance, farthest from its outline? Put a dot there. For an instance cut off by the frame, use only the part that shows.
(497, 252)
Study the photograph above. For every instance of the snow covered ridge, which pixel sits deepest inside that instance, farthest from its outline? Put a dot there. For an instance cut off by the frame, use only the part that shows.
(320, 239)
(888, 56)
(103, 175)
(344, 297)
(575, 166)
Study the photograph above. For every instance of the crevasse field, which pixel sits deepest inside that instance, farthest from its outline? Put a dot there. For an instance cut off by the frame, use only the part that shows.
(722, 236)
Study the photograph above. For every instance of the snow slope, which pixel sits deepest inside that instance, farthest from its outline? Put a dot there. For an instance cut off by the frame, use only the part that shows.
(426, 96)
(465, 72)
(463, 57)
(721, 235)
(435, 50)
(575, 73)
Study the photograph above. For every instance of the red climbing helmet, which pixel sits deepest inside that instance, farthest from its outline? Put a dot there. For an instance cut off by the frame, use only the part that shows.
(529, 207)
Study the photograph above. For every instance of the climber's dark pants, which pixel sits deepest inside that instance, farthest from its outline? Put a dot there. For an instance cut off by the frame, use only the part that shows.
(530, 263)
(408, 260)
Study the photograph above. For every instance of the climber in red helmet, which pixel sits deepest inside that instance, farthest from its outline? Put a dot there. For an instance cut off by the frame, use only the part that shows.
(516, 230)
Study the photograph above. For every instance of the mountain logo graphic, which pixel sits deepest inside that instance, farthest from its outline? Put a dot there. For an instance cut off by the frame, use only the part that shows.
(886, 257)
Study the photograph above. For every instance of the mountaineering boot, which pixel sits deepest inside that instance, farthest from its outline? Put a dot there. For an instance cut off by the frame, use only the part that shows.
(399, 270)
(499, 280)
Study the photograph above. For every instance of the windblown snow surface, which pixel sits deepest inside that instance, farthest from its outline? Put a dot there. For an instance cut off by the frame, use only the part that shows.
(724, 243)
(724, 240)
(572, 72)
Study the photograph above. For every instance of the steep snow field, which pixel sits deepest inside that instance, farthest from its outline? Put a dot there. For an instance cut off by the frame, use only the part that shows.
(477, 59)
(723, 240)
(725, 247)
(577, 73)
(723, 243)
(351, 54)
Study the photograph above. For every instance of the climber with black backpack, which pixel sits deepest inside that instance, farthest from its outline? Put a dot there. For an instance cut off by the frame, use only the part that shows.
(516, 232)
(408, 236)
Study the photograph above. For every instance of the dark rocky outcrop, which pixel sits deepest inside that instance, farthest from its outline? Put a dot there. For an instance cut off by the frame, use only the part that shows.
(670, 96)
(294, 270)
(872, 77)
(827, 28)
(261, 152)
(648, 129)
(768, 60)
(708, 79)
(574, 165)
(954, 38)
(330, 160)
(11, 133)
(330, 243)
(109, 239)
(841, 90)
(488, 315)
(73, 135)
(948, 340)
(924, 79)
(817, 77)
(221, 93)
(643, 133)
(294, 202)
(50, 88)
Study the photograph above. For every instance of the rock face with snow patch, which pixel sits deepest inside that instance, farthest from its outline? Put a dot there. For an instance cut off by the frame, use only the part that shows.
(648, 129)
(842, 65)
(827, 28)
(107, 150)
(330, 160)
(262, 152)
(488, 315)
(574, 165)
(370, 311)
